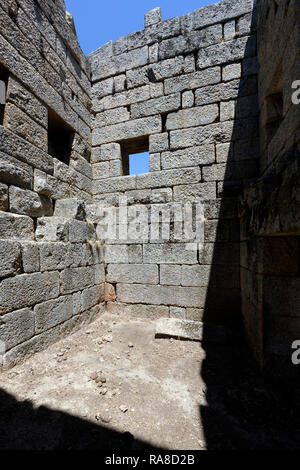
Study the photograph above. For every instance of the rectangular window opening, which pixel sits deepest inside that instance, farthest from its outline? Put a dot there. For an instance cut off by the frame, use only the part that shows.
(135, 156)
(3, 91)
(60, 138)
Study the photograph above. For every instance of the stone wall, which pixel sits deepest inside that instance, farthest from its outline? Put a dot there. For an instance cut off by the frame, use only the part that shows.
(51, 270)
(270, 205)
(184, 89)
(223, 139)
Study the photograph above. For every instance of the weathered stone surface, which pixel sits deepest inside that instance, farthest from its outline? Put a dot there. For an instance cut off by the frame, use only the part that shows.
(158, 142)
(3, 197)
(112, 185)
(170, 275)
(138, 310)
(54, 256)
(12, 171)
(193, 117)
(22, 201)
(195, 40)
(156, 106)
(16, 226)
(153, 17)
(16, 327)
(123, 254)
(52, 229)
(229, 51)
(222, 11)
(127, 130)
(70, 209)
(193, 80)
(20, 123)
(111, 116)
(16, 146)
(74, 279)
(194, 191)
(168, 178)
(106, 152)
(169, 254)
(23, 99)
(28, 289)
(30, 257)
(52, 313)
(117, 64)
(133, 273)
(125, 98)
(10, 258)
(202, 155)
(154, 162)
(161, 295)
(192, 330)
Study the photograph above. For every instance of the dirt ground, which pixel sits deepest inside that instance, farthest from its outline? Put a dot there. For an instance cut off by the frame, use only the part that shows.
(112, 385)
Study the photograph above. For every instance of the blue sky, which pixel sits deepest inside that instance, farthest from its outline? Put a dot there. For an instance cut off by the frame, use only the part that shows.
(99, 21)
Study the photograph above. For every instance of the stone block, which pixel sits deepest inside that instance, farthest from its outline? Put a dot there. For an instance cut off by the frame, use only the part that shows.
(106, 152)
(78, 231)
(177, 312)
(193, 80)
(202, 155)
(114, 185)
(170, 275)
(190, 330)
(152, 17)
(163, 104)
(168, 178)
(150, 312)
(52, 229)
(54, 256)
(194, 314)
(107, 169)
(188, 99)
(196, 276)
(70, 209)
(123, 254)
(21, 124)
(26, 202)
(132, 273)
(193, 117)
(185, 193)
(16, 172)
(231, 72)
(158, 142)
(74, 279)
(225, 52)
(229, 30)
(222, 11)
(115, 65)
(126, 98)
(111, 116)
(16, 226)
(26, 101)
(53, 312)
(30, 257)
(26, 290)
(189, 43)
(154, 162)
(173, 253)
(127, 130)
(16, 327)
(10, 258)
(161, 196)
(161, 295)
(91, 297)
(99, 274)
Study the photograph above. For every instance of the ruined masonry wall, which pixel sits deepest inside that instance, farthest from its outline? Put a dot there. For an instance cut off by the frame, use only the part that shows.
(51, 273)
(189, 85)
(270, 216)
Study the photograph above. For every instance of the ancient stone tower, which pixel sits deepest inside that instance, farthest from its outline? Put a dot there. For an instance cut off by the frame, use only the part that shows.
(209, 96)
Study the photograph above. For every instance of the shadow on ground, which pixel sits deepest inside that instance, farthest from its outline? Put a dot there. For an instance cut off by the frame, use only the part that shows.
(23, 427)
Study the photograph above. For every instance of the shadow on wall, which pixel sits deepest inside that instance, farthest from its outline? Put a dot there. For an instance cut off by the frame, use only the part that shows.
(23, 427)
(242, 411)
